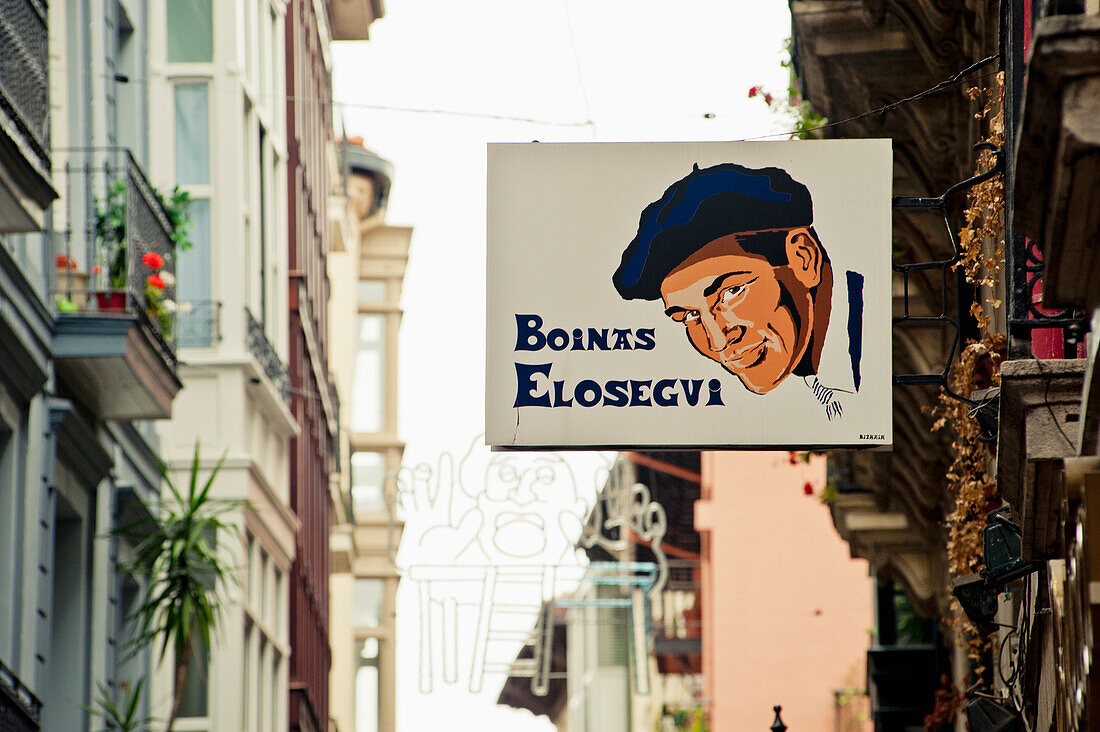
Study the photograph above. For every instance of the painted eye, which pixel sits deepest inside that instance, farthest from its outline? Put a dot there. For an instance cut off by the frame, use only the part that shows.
(730, 294)
(684, 315)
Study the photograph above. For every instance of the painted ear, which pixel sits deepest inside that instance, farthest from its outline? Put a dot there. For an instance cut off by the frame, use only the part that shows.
(804, 256)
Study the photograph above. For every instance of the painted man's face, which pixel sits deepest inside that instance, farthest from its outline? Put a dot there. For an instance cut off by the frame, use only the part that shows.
(748, 315)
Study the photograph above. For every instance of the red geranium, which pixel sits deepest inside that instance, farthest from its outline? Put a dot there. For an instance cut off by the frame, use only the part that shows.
(753, 91)
(155, 281)
(808, 489)
(64, 261)
(152, 260)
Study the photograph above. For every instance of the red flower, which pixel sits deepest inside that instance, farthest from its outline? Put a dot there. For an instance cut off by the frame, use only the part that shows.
(792, 457)
(753, 91)
(63, 261)
(768, 99)
(155, 281)
(152, 260)
(808, 489)
(96, 269)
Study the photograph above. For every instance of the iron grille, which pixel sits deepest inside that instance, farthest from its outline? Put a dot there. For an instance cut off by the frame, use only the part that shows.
(20, 710)
(199, 324)
(954, 322)
(261, 348)
(24, 91)
(109, 219)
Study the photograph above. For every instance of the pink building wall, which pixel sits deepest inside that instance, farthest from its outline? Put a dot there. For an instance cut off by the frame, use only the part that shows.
(787, 613)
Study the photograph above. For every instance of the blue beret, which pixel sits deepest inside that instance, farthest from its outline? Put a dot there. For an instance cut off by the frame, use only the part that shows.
(705, 205)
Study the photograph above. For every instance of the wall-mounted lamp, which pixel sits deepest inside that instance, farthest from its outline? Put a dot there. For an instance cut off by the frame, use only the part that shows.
(988, 715)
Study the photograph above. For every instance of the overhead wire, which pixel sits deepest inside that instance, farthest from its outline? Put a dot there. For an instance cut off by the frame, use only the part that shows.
(948, 83)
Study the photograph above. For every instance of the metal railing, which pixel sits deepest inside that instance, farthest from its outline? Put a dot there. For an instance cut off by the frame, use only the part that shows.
(261, 348)
(674, 611)
(24, 88)
(20, 710)
(199, 324)
(112, 243)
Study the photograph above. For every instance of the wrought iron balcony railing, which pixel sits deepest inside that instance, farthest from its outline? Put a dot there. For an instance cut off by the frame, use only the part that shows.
(23, 85)
(199, 324)
(264, 352)
(113, 244)
(676, 610)
(20, 710)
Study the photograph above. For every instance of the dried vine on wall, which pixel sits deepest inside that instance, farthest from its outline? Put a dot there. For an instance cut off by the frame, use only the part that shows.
(969, 478)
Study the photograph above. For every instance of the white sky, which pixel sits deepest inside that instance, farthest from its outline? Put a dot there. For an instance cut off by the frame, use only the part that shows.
(642, 70)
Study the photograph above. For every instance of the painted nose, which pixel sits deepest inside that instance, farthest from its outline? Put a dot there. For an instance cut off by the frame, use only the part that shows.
(717, 337)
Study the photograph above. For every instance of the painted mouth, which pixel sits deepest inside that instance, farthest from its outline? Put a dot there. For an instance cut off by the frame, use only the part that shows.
(746, 358)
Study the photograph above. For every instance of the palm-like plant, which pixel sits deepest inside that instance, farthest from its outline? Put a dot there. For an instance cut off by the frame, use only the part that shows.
(177, 555)
(124, 715)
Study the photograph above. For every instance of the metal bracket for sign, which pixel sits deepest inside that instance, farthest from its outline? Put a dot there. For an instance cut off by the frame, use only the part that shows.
(946, 267)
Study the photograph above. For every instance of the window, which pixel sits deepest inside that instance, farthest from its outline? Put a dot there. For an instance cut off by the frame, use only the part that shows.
(192, 134)
(197, 328)
(265, 588)
(367, 482)
(372, 291)
(193, 702)
(368, 597)
(263, 665)
(368, 394)
(190, 31)
(366, 687)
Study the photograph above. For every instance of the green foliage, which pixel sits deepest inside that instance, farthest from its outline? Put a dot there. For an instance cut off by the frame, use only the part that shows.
(178, 207)
(687, 720)
(110, 227)
(155, 308)
(110, 231)
(176, 553)
(123, 716)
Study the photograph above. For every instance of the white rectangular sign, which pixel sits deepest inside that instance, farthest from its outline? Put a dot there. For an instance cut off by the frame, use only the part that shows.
(645, 295)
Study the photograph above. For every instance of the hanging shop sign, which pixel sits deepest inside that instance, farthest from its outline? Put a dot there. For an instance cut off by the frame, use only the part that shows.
(693, 295)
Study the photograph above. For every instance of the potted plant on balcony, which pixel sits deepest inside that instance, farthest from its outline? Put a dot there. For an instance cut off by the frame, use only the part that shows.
(111, 242)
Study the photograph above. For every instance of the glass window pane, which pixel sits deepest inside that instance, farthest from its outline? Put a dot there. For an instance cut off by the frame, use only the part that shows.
(366, 611)
(366, 699)
(193, 702)
(372, 291)
(192, 134)
(197, 318)
(368, 396)
(190, 31)
(265, 587)
(367, 482)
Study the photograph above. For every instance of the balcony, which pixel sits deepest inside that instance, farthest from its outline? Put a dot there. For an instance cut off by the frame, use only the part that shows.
(264, 353)
(25, 190)
(114, 287)
(351, 19)
(20, 710)
(199, 324)
(677, 620)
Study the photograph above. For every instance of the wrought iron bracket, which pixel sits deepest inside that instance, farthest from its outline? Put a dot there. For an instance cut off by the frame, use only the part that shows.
(946, 268)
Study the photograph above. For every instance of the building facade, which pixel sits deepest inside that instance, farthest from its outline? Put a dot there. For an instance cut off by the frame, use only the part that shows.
(736, 617)
(1016, 555)
(217, 85)
(367, 273)
(89, 361)
(314, 456)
